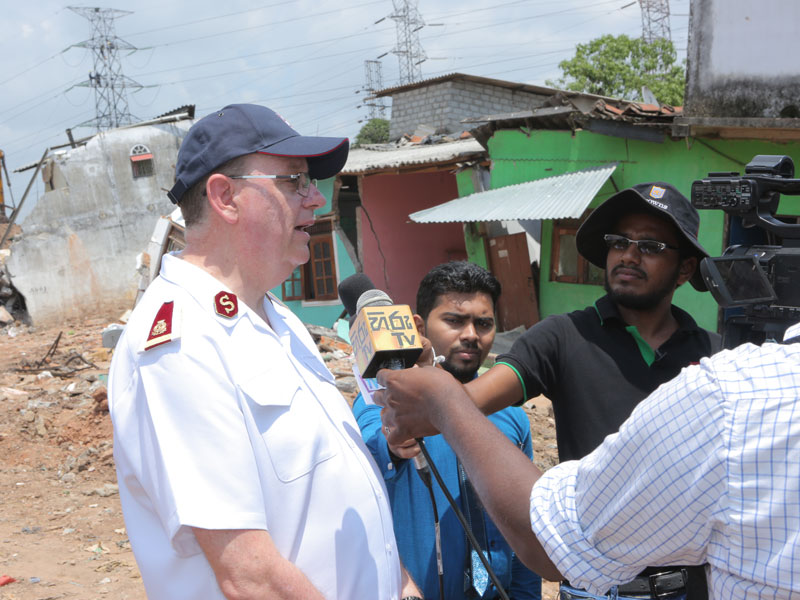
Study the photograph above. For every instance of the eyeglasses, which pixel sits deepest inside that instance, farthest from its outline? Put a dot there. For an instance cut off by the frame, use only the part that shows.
(304, 182)
(618, 242)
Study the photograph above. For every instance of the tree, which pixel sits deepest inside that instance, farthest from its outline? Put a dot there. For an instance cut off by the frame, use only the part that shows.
(619, 67)
(374, 131)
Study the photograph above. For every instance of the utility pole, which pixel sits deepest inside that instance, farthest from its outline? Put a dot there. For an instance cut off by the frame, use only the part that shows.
(408, 50)
(374, 76)
(110, 85)
(655, 20)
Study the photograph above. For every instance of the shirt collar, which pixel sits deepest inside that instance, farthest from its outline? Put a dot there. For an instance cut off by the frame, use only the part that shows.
(607, 310)
(204, 288)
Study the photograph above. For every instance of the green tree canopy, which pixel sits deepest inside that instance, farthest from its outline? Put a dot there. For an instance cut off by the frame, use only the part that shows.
(374, 131)
(618, 66)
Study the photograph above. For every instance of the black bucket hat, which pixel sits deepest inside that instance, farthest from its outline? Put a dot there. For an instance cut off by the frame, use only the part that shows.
(240, 129)
(657, 198)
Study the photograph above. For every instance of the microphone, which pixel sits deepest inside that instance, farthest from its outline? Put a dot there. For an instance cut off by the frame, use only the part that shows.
(383, 336)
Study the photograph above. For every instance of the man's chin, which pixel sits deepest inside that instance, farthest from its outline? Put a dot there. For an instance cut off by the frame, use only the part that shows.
(462, 372)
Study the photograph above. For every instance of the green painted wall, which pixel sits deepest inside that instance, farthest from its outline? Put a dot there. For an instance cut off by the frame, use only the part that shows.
(323, 313)
(517, 157)
(474, 242)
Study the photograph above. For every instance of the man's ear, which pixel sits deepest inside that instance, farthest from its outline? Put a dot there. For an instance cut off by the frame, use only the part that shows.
(221, 195)
(687, 268)
(419, 323)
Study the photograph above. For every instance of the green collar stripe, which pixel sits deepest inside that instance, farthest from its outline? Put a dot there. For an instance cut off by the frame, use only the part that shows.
(648, 354)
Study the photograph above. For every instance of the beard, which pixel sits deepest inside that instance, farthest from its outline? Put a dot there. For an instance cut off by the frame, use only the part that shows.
(463, 374)
(646, 300)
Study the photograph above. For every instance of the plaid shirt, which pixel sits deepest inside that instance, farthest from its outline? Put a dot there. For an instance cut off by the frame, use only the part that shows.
(706, 469)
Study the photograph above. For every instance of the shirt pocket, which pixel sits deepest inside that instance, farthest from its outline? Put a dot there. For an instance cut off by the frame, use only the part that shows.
(290, 421)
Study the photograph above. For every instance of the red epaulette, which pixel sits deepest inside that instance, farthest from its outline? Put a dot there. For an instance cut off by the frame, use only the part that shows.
(165, 327)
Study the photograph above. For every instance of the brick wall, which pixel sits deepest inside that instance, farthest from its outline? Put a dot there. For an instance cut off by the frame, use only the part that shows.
(442, 106)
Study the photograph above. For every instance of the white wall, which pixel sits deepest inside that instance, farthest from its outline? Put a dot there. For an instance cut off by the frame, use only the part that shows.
(77, 253)
(743, 59)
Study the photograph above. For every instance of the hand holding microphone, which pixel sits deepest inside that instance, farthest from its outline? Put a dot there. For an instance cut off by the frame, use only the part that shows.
(383, 336)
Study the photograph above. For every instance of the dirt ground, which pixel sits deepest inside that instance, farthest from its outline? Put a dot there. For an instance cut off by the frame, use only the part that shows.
(62, 534)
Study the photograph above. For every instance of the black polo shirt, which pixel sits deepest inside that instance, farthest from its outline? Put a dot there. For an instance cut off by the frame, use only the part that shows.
(596, 368)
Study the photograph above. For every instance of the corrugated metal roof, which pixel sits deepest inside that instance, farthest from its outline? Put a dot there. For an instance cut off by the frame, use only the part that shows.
(560, 197)
(363, 160)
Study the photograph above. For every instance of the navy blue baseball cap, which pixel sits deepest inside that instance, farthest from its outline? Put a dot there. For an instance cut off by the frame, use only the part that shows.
(240, 129)
(657, 198)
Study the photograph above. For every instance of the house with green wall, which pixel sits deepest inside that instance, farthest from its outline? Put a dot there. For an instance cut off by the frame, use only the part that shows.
(529, 147)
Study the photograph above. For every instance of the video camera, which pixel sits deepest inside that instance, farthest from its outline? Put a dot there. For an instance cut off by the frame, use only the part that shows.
(758, 285)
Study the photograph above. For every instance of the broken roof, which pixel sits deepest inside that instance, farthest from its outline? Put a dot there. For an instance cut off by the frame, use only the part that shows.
(573, 110)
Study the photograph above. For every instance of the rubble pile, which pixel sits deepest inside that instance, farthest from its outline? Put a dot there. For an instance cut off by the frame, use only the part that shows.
(13, 314)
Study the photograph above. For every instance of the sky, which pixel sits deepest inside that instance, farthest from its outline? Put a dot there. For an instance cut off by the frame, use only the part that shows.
(303, 58)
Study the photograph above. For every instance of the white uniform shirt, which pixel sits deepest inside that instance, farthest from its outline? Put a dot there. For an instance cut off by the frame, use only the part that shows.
(707, 469)
(234, 424)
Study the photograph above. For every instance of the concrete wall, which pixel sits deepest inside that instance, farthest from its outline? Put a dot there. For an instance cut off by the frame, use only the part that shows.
(517, 158)
(77, 253)
(403, 252)
(742, 59)
(442, 106)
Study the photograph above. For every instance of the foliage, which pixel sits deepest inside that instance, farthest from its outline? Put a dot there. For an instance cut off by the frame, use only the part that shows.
(374, 131)
(618, 66)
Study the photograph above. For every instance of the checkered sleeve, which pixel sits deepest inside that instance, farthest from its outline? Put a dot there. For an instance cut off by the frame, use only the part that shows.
(647, 496)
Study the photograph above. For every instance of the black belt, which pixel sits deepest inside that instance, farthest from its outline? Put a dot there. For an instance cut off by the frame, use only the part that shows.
(662, 583)
(657, 585)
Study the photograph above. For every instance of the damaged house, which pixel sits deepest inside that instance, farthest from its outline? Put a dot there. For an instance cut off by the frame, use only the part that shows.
(77, 252)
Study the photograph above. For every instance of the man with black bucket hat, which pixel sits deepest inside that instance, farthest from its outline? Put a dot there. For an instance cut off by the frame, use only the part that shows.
(597, 364)
(241, 470)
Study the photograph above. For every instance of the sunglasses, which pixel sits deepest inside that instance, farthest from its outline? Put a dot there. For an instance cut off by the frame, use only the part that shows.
(621, 243)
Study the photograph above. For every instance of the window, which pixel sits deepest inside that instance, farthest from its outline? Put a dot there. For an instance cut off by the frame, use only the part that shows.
(567, 265)
(141, 161)
(293, 287)
(315, 280)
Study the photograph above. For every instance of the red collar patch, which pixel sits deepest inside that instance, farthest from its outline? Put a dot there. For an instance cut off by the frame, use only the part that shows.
(226, 304)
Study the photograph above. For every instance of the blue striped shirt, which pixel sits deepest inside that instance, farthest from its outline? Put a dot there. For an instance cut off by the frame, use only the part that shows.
(706, 469)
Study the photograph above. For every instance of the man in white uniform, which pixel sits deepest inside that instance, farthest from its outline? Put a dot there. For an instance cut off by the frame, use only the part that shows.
(241, 470)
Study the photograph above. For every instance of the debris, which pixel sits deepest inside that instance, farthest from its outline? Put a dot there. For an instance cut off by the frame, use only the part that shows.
(73, 363)
(111, 335)
(35, 529)
(6, 579)
(5, 316)
(8, 393)
(100, 397)
(110, 566)
(97, 549)
(108, 489)
(44, 375)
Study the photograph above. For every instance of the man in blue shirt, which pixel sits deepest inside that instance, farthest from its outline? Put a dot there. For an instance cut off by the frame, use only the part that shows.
(455, 311)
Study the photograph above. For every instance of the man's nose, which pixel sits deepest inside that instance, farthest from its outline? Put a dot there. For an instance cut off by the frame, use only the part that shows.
(468, 332)
(632, 254)
(315, 199)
